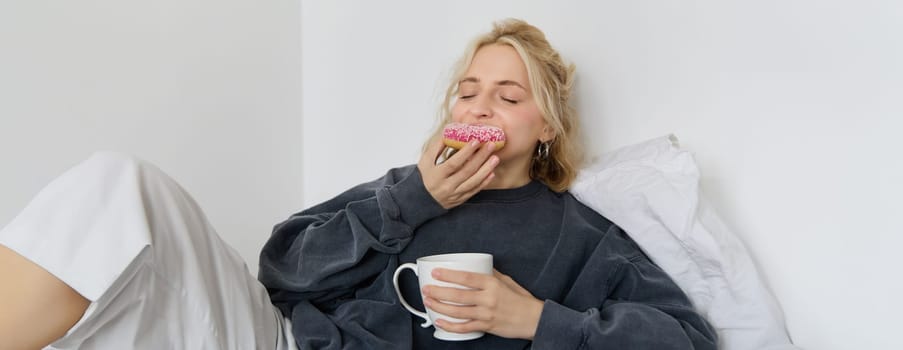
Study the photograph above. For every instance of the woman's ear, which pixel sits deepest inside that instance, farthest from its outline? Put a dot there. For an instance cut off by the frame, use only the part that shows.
(547, 134)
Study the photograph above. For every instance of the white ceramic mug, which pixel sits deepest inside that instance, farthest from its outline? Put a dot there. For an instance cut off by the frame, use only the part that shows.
(472, 262)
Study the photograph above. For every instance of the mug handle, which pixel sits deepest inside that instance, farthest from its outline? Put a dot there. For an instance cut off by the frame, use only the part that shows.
(414, 311)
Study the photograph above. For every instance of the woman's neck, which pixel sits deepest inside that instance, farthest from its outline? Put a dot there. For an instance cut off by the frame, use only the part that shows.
(511, 174)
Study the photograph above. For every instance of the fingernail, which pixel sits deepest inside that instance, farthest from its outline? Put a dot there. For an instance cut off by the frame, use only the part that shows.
(494, 160)
(490, 146)
(474, 143)
(437, 273)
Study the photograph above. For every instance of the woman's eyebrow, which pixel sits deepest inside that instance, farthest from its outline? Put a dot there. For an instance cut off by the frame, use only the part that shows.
(500, 82)
(510, 82)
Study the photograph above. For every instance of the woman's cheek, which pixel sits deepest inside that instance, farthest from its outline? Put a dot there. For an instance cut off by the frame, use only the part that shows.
(456, 113)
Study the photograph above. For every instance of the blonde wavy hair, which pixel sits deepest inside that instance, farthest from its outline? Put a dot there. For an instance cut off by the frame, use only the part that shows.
(551, 81)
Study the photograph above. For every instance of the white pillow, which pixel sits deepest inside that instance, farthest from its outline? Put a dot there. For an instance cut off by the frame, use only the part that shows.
(651, 190)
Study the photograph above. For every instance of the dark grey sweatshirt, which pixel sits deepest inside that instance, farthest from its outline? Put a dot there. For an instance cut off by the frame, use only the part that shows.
(329, 269)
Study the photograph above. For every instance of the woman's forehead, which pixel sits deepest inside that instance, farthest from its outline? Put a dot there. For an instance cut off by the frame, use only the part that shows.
(497, 63)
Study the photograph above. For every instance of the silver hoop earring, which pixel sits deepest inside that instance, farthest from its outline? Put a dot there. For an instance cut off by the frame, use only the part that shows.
(542, 152)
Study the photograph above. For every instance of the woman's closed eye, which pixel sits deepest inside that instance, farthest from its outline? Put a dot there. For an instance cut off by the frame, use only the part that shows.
(503, 98)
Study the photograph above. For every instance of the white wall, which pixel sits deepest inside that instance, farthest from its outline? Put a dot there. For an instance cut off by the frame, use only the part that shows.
(792, 108)
(208, 90)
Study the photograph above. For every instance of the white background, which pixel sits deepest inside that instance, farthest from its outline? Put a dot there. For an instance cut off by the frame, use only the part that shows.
(207, 90)
(792, 108)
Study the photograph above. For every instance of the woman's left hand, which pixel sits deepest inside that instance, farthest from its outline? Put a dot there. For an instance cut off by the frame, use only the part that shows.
(496, 304)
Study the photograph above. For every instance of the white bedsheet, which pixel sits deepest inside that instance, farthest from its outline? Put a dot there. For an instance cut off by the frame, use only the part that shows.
(132, 241)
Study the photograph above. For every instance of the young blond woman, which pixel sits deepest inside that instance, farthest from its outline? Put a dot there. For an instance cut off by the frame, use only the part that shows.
(565, 277)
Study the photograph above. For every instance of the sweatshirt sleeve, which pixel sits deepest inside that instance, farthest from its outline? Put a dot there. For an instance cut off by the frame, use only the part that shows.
(645, 310)
(327, 251)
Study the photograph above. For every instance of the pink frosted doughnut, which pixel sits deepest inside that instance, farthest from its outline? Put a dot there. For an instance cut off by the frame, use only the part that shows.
(458, 135)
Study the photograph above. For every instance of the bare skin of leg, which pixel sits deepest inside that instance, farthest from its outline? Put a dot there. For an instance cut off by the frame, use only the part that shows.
(38, 308)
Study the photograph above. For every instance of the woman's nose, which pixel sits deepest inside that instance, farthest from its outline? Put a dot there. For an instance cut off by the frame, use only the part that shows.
(481, 108)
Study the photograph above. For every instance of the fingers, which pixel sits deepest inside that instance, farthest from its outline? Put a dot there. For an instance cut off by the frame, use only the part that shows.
(432, 152)
(453, 295)
(481, 292)
(508, 281)
(464, 327)
(474, 173)
(459, 177)
(496, 305)
(465, 278)
(463, 163)
(476, 317)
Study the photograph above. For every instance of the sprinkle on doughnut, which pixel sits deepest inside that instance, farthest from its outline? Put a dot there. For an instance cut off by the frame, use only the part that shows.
(457, 135)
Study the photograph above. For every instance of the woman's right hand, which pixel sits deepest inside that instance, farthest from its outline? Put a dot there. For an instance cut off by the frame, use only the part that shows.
(459, 177)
